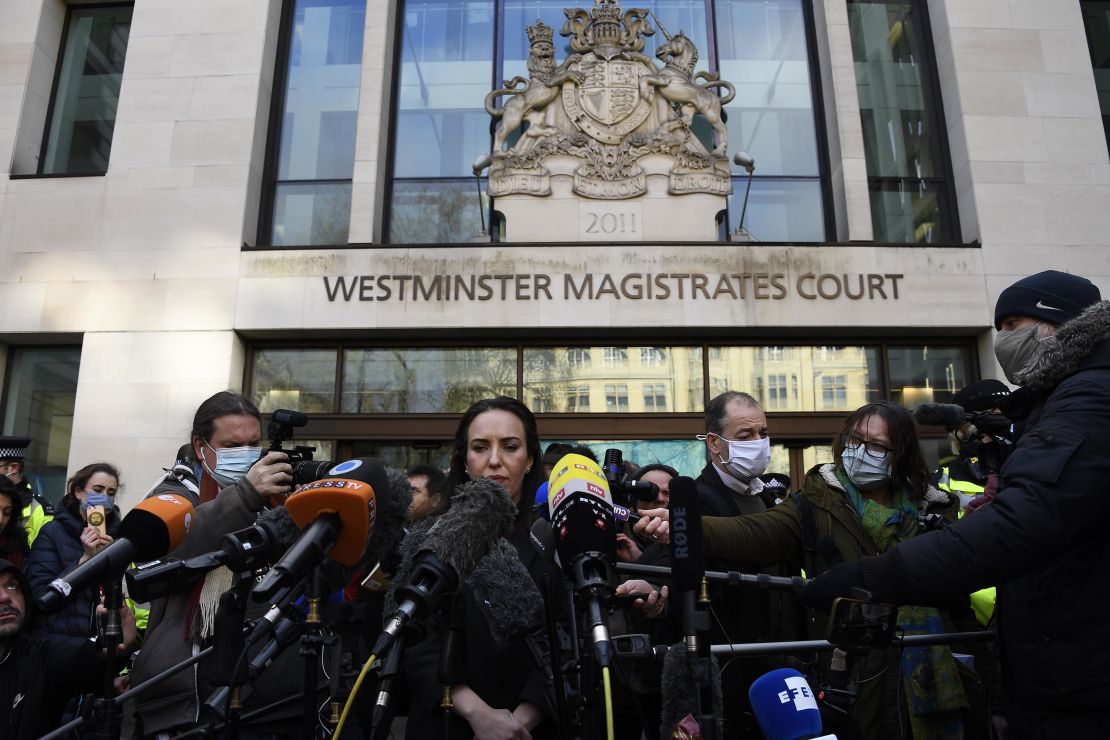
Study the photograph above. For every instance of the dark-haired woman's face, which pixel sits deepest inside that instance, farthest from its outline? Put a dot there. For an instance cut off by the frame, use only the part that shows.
(496, 448)
(8, 509)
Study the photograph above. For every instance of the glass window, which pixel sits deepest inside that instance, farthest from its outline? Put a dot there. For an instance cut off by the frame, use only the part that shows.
(779, 209)
(83, 112)
(813, 380)
(676, 381)
(1096, 22)
(434, 212)
(440, 125)
(40, 392)
(927, 373)
(764, 51)
(424, 380)
(316, 154)
(614, 357)
(400, 455)
(655, 397)
(297, 379)
(616, 398)
(687, 456)
(902, 119)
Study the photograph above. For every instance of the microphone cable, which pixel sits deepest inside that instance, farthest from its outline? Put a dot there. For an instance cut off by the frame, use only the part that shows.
(608, 702)
(351, 698)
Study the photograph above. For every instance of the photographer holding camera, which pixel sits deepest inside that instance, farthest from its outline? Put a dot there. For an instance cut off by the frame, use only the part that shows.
(979, 456)
(230, 481)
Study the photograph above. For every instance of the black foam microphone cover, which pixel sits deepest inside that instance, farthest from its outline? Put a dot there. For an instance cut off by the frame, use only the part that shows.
(506, 594)
(287, 416)
(687, 544)
(947, 415)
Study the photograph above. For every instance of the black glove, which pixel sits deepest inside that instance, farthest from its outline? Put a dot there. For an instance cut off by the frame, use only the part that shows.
(994, 425)
(837, 581)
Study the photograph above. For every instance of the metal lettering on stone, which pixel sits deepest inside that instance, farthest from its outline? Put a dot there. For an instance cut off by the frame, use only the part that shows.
(608, 106)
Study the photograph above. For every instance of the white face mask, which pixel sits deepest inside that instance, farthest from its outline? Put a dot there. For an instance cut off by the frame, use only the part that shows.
(746, 459)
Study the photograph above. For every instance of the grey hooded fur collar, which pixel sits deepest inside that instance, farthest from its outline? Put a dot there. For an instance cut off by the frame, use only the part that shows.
(1073, 343)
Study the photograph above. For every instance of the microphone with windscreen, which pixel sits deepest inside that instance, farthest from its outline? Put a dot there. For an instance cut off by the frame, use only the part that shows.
(154, 527)
(585, 539)
(436, 563)
(336, 515)
(785, 706)
(947, 415)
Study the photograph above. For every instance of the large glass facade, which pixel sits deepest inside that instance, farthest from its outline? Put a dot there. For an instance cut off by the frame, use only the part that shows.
(453, 52)
(764, 51)
(311, 185)
(1096, 22)
(39, 396)
(83, 110)
(900, 109)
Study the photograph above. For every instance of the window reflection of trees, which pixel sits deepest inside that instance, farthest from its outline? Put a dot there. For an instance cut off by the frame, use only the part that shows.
(425, 380)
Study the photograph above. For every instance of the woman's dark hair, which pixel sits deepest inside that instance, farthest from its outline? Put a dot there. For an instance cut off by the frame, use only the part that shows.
(532, 480)
(13, 538)
(224, 403)
(907, 466)
(80, 479)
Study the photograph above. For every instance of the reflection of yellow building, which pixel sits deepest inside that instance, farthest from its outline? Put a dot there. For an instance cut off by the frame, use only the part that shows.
(796, 378)
(615, 380)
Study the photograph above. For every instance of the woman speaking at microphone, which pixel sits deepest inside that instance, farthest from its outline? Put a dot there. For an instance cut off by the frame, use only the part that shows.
(502, 693)
(873, 496)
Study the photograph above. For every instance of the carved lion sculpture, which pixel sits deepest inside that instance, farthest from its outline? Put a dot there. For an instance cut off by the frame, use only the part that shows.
(528, 102)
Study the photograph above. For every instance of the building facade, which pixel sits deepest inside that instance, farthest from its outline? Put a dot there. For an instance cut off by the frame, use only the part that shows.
(278, 197)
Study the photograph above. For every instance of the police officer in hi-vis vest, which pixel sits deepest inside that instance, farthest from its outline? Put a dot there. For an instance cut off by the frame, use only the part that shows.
(35, 511)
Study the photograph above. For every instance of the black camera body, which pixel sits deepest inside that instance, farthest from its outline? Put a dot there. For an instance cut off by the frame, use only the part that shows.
(626, 492)
(280, 430)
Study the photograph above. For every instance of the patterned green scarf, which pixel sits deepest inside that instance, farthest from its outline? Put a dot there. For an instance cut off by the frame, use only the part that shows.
(931, 681)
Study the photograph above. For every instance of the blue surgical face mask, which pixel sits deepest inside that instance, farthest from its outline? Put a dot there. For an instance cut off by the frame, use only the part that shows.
(232, 463)
(92, 498)
(865, 469)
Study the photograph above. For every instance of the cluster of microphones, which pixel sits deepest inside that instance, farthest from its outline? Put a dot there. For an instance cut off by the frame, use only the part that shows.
(347, 521)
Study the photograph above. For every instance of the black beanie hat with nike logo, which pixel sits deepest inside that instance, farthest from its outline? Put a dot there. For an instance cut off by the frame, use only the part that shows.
(1051, 296)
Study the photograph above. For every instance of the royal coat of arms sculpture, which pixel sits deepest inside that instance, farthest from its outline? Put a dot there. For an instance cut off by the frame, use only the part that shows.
(608, 124)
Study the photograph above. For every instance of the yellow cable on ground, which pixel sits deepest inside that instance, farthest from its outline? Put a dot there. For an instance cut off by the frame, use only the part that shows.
(354, 693)
(608, 703)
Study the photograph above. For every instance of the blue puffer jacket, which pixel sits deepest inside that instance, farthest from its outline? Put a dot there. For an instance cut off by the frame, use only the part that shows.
(55, 552)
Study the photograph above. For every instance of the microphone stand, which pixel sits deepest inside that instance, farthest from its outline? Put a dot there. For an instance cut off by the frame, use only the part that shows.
(556, 665)
(105, 711)
(390, 667)
(450, 671)
(313, 640)
(119, 701)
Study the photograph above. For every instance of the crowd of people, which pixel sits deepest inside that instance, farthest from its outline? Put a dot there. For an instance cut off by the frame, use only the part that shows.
(1017, 508)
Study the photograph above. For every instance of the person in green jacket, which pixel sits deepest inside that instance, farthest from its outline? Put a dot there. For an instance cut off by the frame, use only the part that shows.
(875, 495)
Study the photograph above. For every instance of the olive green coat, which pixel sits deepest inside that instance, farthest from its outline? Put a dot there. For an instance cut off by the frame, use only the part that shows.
(777, 535)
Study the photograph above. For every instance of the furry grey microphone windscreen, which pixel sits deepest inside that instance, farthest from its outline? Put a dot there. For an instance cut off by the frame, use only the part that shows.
(679, 689)
(393, 511)
(480, 513)
(506, 594)
(412, 543)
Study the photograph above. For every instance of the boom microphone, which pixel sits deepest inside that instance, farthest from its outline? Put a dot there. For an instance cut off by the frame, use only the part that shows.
(480, 513)
(150, 530)
(585, 539)
(785, 706)
(947, 415)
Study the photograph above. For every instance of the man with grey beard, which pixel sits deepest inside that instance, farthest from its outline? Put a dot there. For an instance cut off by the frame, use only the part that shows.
(1043, 539)
(38, 675)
